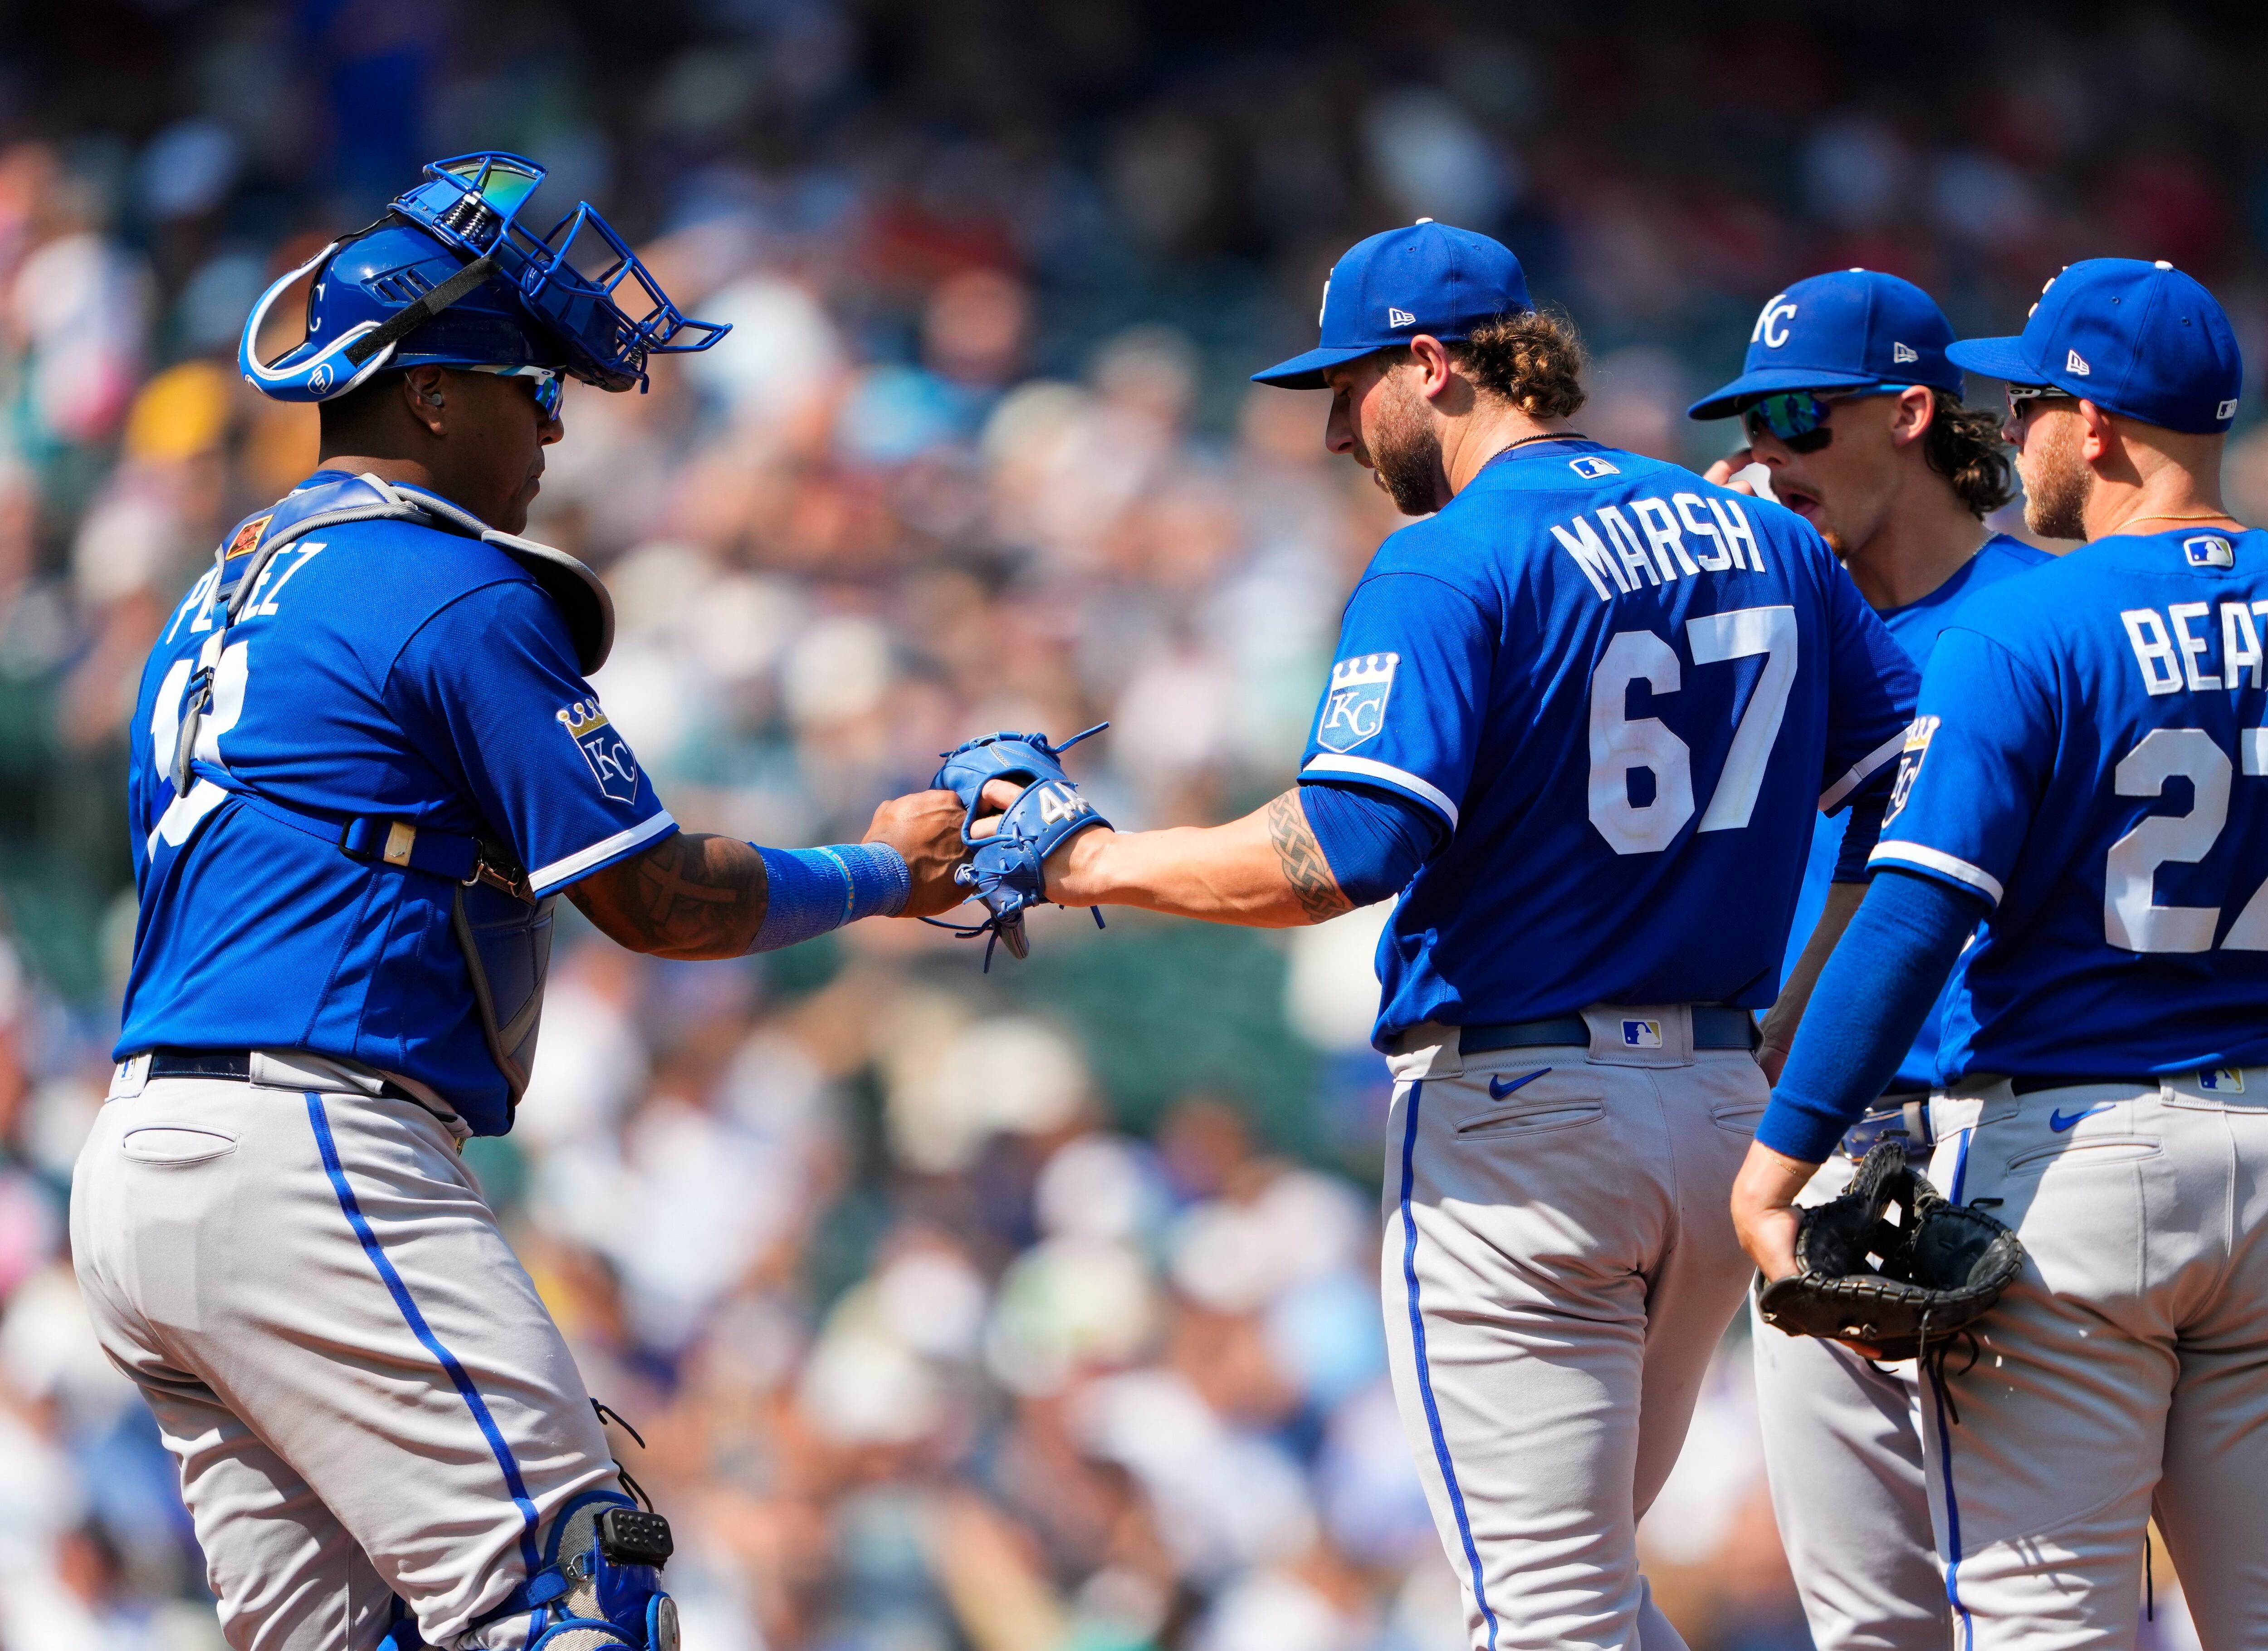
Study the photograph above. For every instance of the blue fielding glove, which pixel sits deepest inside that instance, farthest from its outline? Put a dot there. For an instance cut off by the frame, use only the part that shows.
(1007, 870)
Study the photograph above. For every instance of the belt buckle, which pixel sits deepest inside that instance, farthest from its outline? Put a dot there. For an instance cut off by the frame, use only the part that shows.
(1877, 1126)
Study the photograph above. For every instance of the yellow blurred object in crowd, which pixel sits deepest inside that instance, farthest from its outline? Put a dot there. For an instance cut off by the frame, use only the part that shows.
(180, 413)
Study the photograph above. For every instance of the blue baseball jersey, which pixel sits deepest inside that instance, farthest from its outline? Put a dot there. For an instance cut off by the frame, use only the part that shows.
(1917, 627)
(1622, 692)
(2091, 756)
(378, 668)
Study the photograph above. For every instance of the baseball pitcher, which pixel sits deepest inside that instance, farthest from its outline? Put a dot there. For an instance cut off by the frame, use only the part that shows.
(366, 760)
(2083, 781)
(1580, 721)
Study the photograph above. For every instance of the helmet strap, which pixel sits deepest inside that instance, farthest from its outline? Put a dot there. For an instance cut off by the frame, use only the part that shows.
(407, 320)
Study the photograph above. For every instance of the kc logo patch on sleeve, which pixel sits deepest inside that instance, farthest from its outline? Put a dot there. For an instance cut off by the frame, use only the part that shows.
(1910, 762)
(609, 754)
(1354, 709)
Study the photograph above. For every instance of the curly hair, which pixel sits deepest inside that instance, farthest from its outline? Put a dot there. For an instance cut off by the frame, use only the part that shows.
(1534, 359)
(1962, 445)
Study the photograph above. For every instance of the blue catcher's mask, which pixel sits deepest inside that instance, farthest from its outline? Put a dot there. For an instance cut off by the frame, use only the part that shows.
(450, 277)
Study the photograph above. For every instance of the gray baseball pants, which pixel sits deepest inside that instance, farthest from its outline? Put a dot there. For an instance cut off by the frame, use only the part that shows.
(1559, 1265)
(1842, 1440)
(2124, 1374)
(364, 1394)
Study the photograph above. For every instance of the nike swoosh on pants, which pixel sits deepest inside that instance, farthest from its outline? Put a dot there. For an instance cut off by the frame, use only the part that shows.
(1499, 1089)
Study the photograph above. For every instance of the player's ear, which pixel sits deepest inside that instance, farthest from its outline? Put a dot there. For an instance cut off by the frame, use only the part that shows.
(1436, 371)
(1915, 410)
(425, 391)
(2099, 441)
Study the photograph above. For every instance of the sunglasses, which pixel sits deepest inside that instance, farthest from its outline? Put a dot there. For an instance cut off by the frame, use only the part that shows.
(1798, 418)
(2023, 398)
(547, 385)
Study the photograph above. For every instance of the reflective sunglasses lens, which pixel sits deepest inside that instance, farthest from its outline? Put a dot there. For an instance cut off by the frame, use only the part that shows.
(1790, 416)
(550, 389)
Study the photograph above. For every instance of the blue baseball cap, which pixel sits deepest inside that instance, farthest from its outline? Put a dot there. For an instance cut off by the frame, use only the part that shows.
(1854, 327)
(1429, 278)
(2133, 338)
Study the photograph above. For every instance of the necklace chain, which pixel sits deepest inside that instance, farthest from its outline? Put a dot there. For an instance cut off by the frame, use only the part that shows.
(2160, 515)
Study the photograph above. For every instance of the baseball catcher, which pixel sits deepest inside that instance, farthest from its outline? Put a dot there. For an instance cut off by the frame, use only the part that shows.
(367, 760)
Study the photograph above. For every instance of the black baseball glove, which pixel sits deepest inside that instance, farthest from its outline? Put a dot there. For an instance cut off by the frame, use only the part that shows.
(1006, 871)
(1892, 1291)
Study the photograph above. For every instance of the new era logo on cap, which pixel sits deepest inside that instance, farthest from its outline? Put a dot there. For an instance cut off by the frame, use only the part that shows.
(1445, 281)
(2076, 363)
(1900, 354)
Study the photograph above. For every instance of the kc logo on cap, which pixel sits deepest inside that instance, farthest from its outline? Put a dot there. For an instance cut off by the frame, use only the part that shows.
(1846, 330)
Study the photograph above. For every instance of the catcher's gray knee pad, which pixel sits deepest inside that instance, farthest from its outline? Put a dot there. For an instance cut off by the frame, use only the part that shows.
(599, 1588)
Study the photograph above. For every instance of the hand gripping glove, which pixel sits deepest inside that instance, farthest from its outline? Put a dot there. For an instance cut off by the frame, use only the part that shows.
(1892, 1291)
(1007, 870)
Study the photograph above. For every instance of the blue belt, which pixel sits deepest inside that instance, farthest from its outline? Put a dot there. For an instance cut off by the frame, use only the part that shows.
(233, 1064)
(1715, 1026)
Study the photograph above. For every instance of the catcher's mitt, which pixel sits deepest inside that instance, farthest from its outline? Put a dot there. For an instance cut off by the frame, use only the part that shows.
(1891, 1291)
(1006, 870)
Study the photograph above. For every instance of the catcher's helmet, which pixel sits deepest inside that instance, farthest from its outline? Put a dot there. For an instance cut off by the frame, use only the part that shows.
(449, 277)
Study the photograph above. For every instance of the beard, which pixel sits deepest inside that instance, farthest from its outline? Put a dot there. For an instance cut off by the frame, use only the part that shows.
(2057, 481)
(1405, 455)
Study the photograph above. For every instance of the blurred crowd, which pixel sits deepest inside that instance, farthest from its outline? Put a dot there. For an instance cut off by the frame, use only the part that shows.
(959, 1311)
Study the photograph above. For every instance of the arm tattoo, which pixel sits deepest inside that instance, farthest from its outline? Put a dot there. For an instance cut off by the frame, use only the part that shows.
(1301, 856)
(689, 895)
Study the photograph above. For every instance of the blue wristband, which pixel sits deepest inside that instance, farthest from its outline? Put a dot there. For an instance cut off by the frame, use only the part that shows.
(809, 891)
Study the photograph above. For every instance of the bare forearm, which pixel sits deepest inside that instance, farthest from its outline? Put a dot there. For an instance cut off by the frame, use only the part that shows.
(1264, 871)
(1787, 1012)
(690, 896)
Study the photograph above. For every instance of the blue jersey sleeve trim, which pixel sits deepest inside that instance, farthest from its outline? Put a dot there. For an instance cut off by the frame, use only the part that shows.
(1401, 779)
(1865, 767)
(546, 879)
(1916, 857)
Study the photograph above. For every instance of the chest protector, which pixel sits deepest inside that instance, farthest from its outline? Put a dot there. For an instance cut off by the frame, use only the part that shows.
(503, 929)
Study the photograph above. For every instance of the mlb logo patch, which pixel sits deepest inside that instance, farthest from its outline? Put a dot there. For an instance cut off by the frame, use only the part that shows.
(1354, 709)
(2221, 1079)
(604, 751)
(1641, 1034)
(1590, 466)
(248, 537)
(2209, 551)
